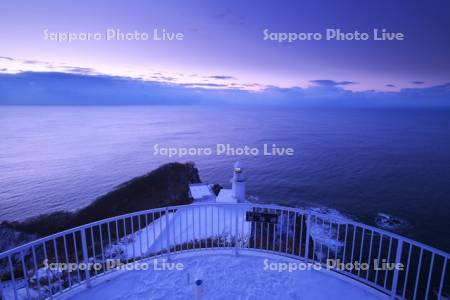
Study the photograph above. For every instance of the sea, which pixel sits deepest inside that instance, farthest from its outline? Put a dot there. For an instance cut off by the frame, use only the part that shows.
(367, 164)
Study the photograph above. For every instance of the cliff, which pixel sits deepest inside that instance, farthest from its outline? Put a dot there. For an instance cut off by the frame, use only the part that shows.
(165, 186)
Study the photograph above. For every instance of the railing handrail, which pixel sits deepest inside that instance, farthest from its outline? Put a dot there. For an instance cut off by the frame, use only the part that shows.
(321, 230)
(250, 205)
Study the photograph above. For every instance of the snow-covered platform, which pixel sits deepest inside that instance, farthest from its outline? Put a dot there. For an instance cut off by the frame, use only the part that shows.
(223, 274)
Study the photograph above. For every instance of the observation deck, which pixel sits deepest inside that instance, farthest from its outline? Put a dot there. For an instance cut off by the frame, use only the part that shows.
(222, 250)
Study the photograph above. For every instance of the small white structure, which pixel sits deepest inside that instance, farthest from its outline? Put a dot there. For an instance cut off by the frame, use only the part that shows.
(237, 192)
(201, 192)
(225, 196)
(238, 182)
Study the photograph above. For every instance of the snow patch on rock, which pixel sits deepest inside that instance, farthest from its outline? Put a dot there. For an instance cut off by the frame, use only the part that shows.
(391, 223)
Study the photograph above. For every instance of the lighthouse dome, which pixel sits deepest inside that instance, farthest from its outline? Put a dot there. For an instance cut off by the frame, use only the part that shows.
(238, 167)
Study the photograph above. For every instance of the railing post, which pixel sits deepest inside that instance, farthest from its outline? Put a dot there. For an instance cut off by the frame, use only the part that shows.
(398, 257)
(13, 278)
(85, 257)
(167, 233)
(1, 290)
(308, 228)
(236, 235)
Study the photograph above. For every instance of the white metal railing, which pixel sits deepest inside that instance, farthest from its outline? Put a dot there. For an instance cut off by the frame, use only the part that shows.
(298, 233)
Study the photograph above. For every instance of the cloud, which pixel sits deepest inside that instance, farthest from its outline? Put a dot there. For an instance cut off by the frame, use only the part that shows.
(6, 58)
(329, 82)
(222, 77)
(203, 84)
(40, 66)
(54, 88)
(220, 15)
(442, 90)
(162, 78)
(80, 70)
(253, 85)
(32, 62)
(230, 17)
(390, 85)
(418, 82)
(223, 14)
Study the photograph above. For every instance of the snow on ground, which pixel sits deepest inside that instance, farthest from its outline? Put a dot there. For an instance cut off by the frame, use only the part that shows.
(326, 236)
(391, 223)
(185, 225)
(224, 276)
(336, 215)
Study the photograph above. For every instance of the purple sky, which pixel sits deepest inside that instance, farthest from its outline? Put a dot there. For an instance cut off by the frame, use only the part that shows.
(223, 42)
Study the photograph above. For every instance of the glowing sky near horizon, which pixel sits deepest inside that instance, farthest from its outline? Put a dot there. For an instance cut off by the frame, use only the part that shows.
(223, 41)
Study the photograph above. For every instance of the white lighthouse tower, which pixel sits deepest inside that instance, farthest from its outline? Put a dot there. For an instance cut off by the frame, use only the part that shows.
(238, 183)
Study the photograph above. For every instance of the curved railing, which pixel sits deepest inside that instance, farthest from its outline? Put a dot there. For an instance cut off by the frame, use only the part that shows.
(58, 263)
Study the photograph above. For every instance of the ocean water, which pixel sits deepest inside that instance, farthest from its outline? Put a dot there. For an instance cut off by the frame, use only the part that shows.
(356, 162)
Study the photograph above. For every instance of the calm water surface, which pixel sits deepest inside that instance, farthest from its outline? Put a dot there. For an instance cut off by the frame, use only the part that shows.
(360, 162)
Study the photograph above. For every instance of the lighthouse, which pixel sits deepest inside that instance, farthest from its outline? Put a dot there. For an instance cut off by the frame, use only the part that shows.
(238, 183)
